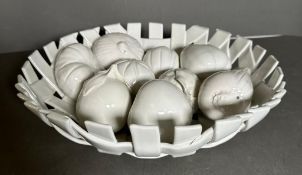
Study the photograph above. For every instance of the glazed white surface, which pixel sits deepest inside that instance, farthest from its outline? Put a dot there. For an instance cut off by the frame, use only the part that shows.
(105, 100)
(161, 59)
(186, 81)
(134, 73)
(73, 65)
(225, 93)
(145, 141)
(160, 103)
(115, 46)
(204, 59)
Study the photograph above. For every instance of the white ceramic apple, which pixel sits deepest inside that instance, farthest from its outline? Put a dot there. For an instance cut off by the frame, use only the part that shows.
(225, 93)
(204, 60)
(73, 65)
(115, 46)
(104, 99)
(160, 103)
(161, 59)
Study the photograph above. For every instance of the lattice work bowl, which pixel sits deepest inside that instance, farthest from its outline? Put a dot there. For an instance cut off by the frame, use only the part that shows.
(39, 91)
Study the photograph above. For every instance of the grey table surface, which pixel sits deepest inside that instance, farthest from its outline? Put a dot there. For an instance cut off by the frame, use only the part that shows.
(274, 146)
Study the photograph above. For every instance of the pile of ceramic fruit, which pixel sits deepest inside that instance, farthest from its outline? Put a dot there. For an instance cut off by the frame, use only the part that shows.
(116, 82)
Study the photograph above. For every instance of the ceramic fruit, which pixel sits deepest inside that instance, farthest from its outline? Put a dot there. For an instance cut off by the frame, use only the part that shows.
(134, 73)
(186, 81)
(160, 103)
(225, 93)
(73, 65)
(204, 60)
(115, 46)
(161, 59)
(104, 99)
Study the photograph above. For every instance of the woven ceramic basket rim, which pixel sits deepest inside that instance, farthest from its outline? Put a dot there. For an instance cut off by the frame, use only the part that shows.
(38, 89)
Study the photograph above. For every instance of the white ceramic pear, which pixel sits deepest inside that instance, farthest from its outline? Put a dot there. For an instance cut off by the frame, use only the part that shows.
(115, 46)
(186, 81)
(104, 99)
(160, 103)
(204, 60)
(225, 93)
(161, 59)
(73, 65)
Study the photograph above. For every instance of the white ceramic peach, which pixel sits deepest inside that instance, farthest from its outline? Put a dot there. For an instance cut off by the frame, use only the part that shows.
(134, 73)
(204, 59)
(186, 81)
(225, 93)
(105, 100)
(74, 64)
(160, 103)
(112, 47)
(144, 142)
(161, 59)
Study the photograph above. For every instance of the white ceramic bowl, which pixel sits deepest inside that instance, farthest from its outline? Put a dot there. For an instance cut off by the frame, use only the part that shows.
(43, 97)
